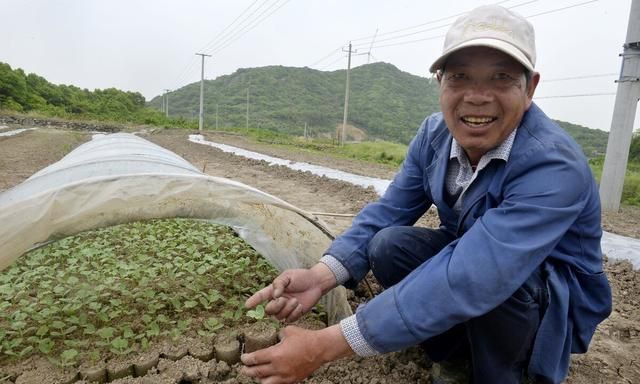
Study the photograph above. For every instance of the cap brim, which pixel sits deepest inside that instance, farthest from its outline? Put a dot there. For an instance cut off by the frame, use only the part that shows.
(500, 45)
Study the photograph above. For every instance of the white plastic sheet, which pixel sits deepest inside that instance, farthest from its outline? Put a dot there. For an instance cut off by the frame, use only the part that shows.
(614, 246)
(122, 178)
(14, 132)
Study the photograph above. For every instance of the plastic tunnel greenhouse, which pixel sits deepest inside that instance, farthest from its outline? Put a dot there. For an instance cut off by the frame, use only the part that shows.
(121, 178)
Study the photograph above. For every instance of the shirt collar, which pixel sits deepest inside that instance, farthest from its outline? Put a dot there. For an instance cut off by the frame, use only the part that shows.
(501, 152)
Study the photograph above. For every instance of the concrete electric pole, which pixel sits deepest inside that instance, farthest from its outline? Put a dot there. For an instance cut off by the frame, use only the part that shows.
(201, 115)
(340, 136)
(166, 101)
(620, 135)
(248, 108)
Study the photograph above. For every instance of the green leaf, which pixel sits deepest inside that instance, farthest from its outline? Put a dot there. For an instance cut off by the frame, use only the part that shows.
(45, 346)
(119, 343)
(257, 313)
(106, 333)
(57, 324)
(153, 329)
(69, 355)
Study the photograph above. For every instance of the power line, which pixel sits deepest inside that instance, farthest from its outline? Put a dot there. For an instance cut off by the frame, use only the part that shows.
(427, 23)
(250, 26)
(225, 31)
(333, 62)
(562, 9)
(446, 25)
(575, 95)
(580, 77)
(404, 35)
(423, 24)
(228, 35)
(186, 72)
(327, 56)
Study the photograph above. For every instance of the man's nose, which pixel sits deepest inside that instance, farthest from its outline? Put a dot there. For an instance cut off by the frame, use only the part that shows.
(478, 93)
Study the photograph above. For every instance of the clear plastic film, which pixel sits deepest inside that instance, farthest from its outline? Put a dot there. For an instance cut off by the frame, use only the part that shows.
(122, 178)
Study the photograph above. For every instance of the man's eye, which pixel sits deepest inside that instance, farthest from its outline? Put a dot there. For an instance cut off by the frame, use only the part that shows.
(457, 76)
(503, 76)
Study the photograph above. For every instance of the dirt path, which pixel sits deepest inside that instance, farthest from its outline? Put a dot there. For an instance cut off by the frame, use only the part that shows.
(613, 356)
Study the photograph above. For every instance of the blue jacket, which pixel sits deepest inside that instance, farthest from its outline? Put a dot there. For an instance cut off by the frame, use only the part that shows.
(539, 208)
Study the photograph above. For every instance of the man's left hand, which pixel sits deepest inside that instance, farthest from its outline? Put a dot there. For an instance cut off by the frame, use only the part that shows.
(296, 356)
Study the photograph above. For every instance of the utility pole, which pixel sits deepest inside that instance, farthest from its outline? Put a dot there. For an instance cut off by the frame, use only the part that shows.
(166, 100)
(341, 135)
(248, 107)
(305, 130)
(201, 116)
(216, 117)
(163, 102)
(624, 112)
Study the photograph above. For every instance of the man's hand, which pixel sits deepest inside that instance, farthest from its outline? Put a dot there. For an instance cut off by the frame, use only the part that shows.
(294, 292)
(299, 353)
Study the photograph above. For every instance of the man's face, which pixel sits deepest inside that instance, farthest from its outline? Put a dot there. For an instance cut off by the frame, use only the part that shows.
(483, 96)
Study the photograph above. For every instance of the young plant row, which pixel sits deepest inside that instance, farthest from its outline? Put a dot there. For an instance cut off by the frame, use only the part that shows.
(119, 289)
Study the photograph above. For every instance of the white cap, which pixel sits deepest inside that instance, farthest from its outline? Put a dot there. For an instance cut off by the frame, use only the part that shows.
(491, 26)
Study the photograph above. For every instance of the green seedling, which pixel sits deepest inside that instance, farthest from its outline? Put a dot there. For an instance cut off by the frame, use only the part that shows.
(257, 313)
(119, 289)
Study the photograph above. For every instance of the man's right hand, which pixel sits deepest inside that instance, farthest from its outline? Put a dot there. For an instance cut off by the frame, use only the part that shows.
(294, 292)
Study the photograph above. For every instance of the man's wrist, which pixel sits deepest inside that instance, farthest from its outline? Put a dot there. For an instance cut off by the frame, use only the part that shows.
(339, 271)
(353, 336)
(334, 345)
(325, 279)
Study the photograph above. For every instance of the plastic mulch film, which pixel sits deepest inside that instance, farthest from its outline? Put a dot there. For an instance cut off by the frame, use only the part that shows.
(121, 178)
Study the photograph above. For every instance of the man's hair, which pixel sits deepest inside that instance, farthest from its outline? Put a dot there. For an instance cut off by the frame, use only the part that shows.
(527, 76)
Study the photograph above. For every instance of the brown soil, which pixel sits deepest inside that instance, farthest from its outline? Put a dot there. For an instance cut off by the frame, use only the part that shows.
(613, 355)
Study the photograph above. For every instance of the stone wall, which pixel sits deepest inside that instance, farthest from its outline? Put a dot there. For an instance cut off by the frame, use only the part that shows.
(52, 123)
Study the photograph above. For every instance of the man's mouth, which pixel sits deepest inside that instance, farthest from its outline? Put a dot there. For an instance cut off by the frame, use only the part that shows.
(478, 121)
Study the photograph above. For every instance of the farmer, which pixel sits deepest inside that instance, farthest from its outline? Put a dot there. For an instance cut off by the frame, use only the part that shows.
(512, 280)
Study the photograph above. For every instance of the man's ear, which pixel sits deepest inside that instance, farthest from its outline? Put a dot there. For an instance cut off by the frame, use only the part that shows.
(533, 83)
(438, 75)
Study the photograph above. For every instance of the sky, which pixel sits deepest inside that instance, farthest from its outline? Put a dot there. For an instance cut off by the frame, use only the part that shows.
(150, 46)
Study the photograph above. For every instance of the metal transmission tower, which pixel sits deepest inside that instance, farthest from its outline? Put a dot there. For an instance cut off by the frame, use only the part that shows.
(201, 115)
(615, 161)
(371, 46)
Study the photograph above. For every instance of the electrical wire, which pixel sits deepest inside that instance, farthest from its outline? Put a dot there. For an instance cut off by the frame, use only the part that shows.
(333, 62)
(423, 24)
(575, 95)
(580, 77)
(439, 36)
(326, 57)
(562, 9)
(252, 25)
(426, 23)
(228, 30)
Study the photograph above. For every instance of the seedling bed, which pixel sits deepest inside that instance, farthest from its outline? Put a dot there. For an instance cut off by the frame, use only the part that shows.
(108, 294)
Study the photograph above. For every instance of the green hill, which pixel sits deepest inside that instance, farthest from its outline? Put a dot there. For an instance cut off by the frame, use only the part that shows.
(385, 102)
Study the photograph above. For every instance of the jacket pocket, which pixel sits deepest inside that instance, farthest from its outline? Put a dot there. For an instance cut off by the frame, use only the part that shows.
(589, 304)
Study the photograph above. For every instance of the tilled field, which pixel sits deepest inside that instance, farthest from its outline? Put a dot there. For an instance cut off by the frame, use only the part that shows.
(613, 355)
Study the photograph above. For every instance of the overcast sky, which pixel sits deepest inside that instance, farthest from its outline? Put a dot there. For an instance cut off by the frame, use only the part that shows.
(148, 46)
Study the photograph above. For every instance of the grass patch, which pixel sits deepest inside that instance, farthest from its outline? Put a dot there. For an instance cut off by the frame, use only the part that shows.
(381, 152)
(119, 289)
(631, 187)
